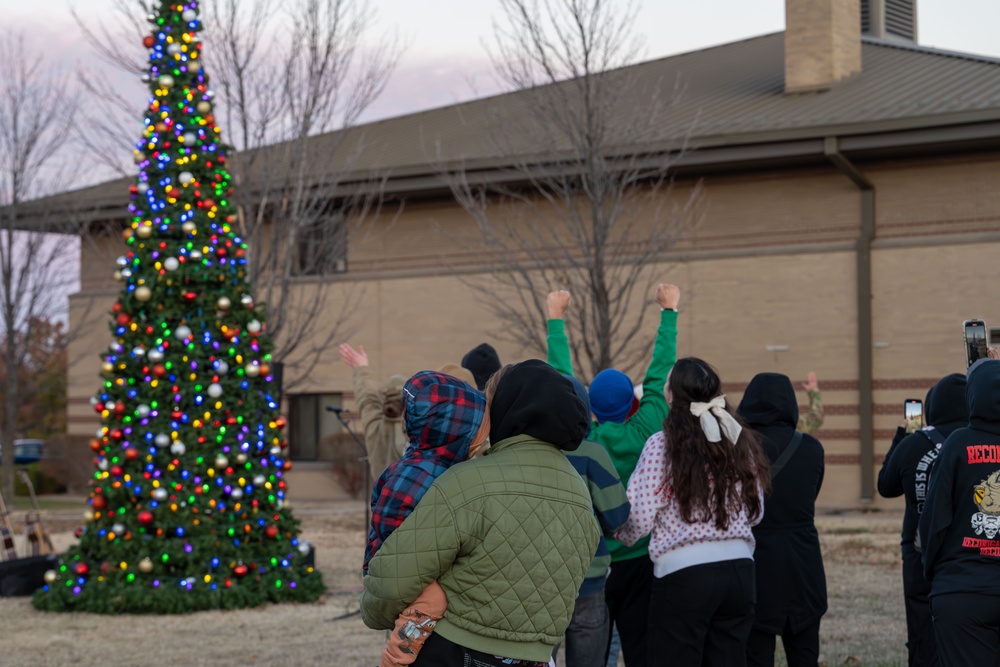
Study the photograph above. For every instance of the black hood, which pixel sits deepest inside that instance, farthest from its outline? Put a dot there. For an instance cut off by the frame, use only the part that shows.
(945, 407)
(984, 397)
(534, 399)
(769, 401)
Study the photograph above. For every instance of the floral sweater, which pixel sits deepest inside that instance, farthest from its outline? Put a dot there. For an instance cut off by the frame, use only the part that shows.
(676, 544)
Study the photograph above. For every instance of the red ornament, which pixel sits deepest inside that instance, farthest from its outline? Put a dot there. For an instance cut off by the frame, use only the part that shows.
(78, 533)
(119, 408)
(117, 308)
(117, 471)
(96, 445)
(240, 570)
(81, 569)
(123, 319)
(131, 454)
(280, 422)
(190, 296)
(117, 434)
(271, 532)
(145, 518)
(159, 370)
(99, 502)
(148, 41)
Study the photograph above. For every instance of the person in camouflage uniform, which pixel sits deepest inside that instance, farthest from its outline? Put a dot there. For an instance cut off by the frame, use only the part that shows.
(811, 419)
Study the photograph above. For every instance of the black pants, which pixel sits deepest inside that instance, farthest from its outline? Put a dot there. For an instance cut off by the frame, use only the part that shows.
(919, 626)
(801, 648)
(967, 629)
(439, 652)
(627, 594)
(701, 616)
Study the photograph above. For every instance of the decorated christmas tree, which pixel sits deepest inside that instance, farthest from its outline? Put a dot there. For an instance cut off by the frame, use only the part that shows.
(187, 505)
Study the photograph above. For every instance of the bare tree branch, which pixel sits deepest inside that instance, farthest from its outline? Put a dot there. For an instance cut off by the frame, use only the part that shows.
(36, 108)
(586, 204)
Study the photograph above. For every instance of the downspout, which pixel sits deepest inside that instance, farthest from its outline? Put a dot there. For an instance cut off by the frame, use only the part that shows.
(866, 416)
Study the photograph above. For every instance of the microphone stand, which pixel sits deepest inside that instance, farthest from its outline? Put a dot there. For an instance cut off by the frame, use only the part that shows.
(363, 460)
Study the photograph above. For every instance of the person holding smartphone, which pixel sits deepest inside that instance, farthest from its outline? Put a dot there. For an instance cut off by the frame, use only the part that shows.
(906, 472)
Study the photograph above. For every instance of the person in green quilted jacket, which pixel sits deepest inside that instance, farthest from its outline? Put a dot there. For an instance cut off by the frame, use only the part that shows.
(508, 536)
(623, 429)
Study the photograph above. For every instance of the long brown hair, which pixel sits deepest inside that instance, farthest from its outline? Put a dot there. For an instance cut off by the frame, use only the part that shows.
(711, 480)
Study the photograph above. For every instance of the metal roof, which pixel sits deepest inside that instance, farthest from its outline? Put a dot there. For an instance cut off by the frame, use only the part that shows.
(723, 96)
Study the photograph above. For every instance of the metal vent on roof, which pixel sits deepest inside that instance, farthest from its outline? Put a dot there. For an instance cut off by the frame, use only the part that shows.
(899, 18)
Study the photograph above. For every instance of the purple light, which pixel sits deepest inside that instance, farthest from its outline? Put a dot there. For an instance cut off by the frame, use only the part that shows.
(76, 590)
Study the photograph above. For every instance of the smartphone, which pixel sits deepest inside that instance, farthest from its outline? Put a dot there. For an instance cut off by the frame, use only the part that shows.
(913, 413)
(975, 341)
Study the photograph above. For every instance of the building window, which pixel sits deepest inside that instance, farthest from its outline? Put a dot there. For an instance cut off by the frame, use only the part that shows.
(309, 423)
(322, 246)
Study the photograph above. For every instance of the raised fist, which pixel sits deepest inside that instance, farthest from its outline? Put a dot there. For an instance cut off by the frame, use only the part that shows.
(557, 302)
(351, 357)
(811, 383)
(668, 296)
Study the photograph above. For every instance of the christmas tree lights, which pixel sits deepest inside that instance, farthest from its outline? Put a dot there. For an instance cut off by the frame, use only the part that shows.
(187, 505)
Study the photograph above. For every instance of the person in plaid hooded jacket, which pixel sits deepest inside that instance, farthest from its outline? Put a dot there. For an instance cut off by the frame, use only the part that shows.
(446, 422)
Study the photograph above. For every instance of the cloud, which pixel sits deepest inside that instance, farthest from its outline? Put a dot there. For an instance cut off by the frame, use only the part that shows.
(420, 84)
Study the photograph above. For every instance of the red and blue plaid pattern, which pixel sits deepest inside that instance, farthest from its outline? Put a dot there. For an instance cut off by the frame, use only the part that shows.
(442, 415)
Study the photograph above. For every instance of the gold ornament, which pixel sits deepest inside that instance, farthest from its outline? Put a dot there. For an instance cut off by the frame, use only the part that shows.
(144, 231)
(107, 367)
(143, 294)
(145, 566)
(51, 576)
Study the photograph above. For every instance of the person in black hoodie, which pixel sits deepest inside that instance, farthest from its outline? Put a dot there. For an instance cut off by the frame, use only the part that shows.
(791, 582)
(960, 530)
(905, 471)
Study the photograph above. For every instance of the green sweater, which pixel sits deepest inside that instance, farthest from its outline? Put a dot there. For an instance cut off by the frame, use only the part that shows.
(509, 537)
(624, 442)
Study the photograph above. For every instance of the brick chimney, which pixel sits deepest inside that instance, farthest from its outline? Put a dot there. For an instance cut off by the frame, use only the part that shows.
(822, 43)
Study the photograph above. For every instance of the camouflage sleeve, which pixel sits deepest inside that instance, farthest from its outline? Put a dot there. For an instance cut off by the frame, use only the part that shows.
(813, 418)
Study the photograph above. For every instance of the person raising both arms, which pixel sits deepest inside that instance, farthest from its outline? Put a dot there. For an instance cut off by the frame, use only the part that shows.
(623, 433)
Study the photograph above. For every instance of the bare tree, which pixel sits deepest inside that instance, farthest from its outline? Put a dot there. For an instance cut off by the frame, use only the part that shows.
(586, 202)
(291, 80)
(36, 108)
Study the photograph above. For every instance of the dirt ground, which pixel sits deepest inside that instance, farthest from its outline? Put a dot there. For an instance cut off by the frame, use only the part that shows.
(865, 624)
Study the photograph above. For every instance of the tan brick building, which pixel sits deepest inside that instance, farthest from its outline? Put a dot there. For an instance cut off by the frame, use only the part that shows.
(851, 222)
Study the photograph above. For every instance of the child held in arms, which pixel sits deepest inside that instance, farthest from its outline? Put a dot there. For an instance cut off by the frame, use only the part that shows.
(446, 422)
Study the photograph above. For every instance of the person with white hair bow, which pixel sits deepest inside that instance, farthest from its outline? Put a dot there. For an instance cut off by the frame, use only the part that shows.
(698, 490)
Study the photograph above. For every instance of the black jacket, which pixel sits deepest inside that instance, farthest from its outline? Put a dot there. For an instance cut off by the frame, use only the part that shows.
(960, 525)
(907, 464)
(791, 583)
